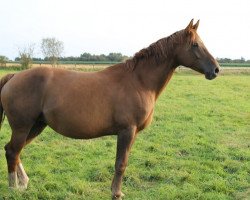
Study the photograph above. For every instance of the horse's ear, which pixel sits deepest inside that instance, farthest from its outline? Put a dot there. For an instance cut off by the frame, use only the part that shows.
(195, 27)
(190, 26)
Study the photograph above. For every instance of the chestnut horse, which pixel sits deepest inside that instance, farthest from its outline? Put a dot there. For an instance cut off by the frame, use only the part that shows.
(118, 100)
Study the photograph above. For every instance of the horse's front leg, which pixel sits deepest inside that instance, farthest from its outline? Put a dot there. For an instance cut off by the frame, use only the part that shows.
(125, 140)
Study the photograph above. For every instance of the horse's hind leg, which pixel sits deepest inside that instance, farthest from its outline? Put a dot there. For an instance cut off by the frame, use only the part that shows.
(20, 137)
(17, 176)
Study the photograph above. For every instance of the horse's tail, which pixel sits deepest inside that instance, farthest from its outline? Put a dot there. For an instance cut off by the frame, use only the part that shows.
(3, 81)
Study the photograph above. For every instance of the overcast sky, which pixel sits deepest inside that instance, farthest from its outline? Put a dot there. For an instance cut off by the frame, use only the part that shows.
(98, 26)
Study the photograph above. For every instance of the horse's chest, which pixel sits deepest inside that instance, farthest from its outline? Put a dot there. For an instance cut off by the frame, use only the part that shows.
(146, 121)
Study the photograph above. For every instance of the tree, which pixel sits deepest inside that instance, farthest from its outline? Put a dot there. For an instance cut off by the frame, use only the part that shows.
(115, 57)
(52, 49)
(26, 54)
(3, 61)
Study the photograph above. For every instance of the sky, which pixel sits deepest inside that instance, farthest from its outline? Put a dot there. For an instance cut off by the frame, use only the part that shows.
(125, 26)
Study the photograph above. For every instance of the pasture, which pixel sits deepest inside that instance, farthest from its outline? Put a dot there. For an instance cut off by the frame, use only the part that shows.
(197, 147)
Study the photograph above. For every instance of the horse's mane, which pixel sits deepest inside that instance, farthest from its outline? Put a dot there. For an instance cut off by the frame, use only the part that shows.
(159, 50)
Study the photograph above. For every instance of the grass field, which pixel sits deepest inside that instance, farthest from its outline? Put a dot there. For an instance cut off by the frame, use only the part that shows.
(198, 147)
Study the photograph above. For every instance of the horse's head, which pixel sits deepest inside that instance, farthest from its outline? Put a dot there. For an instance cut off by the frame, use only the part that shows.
(192, 53)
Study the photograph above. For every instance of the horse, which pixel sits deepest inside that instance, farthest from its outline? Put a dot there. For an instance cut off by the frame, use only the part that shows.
(118, 100)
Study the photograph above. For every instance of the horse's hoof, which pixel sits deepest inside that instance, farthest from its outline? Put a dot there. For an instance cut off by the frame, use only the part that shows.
(22, 187)
(23, 183)
(118, 197)
(13, 181)
(12, 188)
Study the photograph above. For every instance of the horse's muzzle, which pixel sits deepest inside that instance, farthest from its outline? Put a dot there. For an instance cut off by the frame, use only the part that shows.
(212, 74)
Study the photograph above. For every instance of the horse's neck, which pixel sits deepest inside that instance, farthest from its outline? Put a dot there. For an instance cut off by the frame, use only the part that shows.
(154, 77)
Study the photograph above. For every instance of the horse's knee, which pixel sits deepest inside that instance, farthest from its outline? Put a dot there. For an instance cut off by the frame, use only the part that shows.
(120, 168)
(10, 155)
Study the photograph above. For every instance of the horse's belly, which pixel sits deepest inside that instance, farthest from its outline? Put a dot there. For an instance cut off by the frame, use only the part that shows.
(84, 126)
(83, 131)
(82, 134)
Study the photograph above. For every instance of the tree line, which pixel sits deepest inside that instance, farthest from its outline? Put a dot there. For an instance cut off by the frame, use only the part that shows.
(111, 57)
(228, 60)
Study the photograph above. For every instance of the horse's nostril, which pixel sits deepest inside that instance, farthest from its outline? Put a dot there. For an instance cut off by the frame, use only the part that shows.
(216, 70)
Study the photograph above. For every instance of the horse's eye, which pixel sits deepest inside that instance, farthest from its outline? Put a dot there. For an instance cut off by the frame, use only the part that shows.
(195, 44)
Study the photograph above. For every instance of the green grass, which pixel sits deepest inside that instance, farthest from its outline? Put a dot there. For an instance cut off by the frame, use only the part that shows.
(198, 147)
(9, 70)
